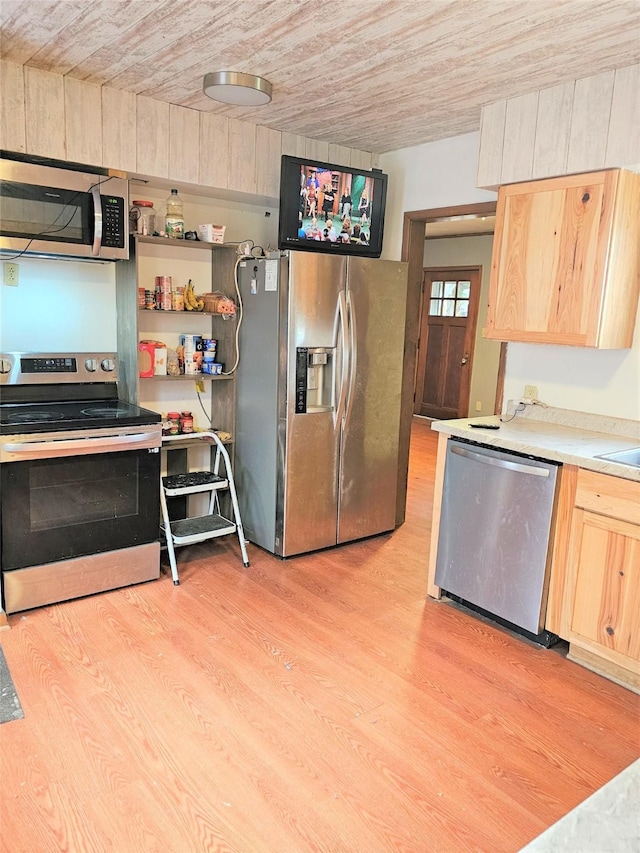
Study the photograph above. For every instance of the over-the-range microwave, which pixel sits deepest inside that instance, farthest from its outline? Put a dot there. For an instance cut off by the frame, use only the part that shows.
(62, 212)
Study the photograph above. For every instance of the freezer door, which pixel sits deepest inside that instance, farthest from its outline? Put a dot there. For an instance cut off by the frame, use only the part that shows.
(310, 440)
(258, 383)
(376, 302)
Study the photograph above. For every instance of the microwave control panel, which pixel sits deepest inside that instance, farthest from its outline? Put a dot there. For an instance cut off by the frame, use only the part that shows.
(113, 221)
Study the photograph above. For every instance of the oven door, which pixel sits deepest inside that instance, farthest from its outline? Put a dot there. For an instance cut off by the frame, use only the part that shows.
(70, 506)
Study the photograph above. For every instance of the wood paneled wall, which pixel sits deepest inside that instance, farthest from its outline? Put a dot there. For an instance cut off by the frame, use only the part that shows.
(64, 118)
(580, 126)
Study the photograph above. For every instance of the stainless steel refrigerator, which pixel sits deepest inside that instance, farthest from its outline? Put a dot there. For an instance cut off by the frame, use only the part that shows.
(318, 399)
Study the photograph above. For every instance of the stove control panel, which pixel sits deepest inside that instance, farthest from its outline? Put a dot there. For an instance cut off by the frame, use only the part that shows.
(37, 364)
(37, 368)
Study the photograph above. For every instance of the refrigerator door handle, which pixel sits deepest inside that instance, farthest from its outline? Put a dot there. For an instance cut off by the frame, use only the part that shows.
(340, 332)
(353, 357)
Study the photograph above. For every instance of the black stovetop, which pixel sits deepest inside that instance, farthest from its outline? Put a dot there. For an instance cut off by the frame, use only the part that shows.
(95, 407)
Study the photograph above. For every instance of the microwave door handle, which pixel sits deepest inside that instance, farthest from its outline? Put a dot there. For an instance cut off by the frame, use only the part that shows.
(97, 220)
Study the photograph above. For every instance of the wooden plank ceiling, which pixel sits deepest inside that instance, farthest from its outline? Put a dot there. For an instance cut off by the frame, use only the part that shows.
(377, 75)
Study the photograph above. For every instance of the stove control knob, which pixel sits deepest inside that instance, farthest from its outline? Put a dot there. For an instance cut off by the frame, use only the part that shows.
(5, 365)
(91, 364)
(108, 365)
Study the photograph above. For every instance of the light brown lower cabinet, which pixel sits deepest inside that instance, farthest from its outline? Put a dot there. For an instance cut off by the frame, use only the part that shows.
(602, 588)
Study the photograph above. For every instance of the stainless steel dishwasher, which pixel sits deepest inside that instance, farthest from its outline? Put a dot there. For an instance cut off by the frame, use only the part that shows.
(495, 534)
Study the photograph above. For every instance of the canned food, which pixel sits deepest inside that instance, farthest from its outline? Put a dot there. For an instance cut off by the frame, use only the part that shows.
(163, 301)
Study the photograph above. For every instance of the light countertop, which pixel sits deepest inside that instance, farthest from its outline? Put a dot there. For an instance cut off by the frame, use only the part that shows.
(606, 822)
(561, 435)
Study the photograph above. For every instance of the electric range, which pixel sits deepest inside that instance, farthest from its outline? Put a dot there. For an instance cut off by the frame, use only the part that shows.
(80, 476)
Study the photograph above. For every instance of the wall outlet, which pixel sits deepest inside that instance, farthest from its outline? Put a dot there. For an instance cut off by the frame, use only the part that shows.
(10, 273)
(478, 406)
(530, 392)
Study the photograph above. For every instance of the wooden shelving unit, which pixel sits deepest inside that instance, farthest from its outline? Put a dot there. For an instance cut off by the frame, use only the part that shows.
(151, 256)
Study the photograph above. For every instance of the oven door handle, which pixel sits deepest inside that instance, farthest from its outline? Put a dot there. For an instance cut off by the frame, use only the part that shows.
(110, 442)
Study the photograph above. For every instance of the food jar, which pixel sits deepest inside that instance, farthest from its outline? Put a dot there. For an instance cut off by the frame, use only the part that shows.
(174, 422)
(186, 422)
(144, 215)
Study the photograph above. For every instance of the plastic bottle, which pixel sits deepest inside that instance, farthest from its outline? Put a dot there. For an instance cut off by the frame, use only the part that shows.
(174, 219)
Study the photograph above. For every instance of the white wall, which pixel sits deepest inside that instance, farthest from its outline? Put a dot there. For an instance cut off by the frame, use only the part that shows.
(443, 173)
(438, 174)
(604, 382)
(59, 306)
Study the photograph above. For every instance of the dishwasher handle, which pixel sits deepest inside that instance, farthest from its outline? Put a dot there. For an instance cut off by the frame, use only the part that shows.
(521, 468)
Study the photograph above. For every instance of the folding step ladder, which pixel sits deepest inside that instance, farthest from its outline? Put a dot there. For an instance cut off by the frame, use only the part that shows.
(219, 477)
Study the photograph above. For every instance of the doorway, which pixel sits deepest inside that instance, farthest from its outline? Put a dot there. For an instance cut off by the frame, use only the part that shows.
(413, 239)
(448, 319)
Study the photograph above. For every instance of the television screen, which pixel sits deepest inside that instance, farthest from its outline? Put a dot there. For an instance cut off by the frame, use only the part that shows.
(328, 208)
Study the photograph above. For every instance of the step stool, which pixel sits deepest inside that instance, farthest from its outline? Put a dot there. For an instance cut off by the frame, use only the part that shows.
(188, 531)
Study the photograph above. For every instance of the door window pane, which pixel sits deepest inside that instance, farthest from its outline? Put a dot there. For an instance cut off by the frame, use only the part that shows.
(450, 298)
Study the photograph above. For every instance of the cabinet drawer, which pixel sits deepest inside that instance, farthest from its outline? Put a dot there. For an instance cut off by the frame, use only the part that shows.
(606, 495)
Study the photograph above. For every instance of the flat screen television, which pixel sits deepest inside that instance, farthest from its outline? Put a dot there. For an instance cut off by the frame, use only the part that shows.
(329, 208)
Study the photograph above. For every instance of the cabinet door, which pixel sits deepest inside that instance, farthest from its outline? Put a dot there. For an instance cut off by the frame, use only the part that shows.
(565, 265)
(607, 595)
(547, 264)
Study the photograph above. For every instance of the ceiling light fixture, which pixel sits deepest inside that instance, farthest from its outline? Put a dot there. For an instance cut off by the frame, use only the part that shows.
(234, 87)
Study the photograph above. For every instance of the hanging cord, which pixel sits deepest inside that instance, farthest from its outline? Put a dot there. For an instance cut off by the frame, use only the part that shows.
(240, 313)
(239, 323)
(50, 228)
(206, 414)
(520, 408)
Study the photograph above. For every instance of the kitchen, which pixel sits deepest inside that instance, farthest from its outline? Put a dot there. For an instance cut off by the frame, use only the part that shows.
(441, 160)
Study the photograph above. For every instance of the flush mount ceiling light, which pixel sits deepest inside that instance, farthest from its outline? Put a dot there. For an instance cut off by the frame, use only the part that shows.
(234, 87)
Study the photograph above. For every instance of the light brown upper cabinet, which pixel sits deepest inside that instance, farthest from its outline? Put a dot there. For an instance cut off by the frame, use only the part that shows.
(566, 261)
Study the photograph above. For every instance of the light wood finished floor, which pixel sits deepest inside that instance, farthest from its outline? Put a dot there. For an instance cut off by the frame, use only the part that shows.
(314, 704)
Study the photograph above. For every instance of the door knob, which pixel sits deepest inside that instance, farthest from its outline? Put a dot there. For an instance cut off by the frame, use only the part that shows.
(465, 358)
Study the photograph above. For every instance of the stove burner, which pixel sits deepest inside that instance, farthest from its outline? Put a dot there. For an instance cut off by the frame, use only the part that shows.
(105, 411)
(32, 417)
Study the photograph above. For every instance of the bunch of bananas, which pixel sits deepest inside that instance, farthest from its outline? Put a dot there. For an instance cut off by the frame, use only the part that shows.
(191, 301)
